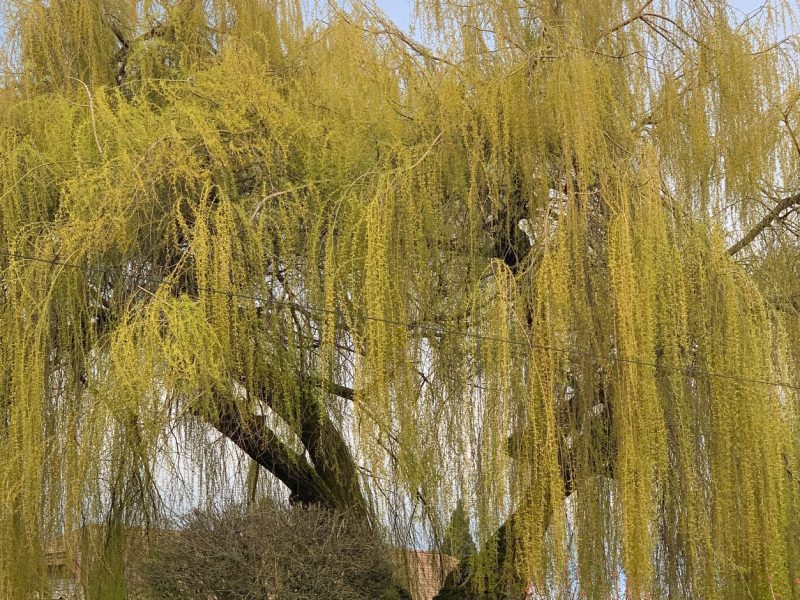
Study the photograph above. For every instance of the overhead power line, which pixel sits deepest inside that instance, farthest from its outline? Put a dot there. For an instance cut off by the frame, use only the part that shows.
(433, 328)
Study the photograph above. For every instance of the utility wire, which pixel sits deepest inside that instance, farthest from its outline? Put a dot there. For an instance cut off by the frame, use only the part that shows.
(421, 327)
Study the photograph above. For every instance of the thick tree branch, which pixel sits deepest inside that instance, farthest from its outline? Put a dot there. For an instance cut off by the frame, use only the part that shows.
(330, 454)
(126, 45)
(253, 436)
(342, 391)
(331, 479)
(755, 231)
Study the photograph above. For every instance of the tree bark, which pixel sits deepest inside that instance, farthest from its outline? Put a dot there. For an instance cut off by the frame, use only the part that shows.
(251, 434)
(771, 216)
(330, 454)
(331, 479)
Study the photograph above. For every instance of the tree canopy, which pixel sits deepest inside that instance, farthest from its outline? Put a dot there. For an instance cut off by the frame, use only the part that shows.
(541, 256)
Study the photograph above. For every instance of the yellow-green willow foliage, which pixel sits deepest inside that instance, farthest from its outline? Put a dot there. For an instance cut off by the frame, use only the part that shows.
(491, 270)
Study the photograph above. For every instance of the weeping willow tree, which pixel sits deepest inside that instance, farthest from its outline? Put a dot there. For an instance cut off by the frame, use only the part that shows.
(541, 258)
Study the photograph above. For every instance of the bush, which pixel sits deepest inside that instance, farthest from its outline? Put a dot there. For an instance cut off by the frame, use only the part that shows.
(269, 553)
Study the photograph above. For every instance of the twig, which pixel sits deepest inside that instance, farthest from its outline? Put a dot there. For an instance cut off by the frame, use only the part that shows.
(91, 114)
(269, 197)
(635, 17)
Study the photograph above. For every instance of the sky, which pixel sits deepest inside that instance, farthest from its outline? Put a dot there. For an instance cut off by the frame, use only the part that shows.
(399, 11)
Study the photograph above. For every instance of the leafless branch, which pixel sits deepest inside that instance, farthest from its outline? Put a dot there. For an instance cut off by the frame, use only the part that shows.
(772, 215)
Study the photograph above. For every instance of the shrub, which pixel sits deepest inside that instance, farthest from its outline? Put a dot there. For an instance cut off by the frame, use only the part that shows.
(266, 553)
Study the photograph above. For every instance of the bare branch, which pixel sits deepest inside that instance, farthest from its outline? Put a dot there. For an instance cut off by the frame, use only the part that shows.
(772, 215)
(635, 17)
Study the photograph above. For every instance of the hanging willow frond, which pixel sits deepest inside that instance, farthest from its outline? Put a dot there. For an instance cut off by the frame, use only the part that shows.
(546, 268)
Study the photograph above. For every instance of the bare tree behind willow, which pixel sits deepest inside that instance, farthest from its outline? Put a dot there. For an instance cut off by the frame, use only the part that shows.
(545, 262)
